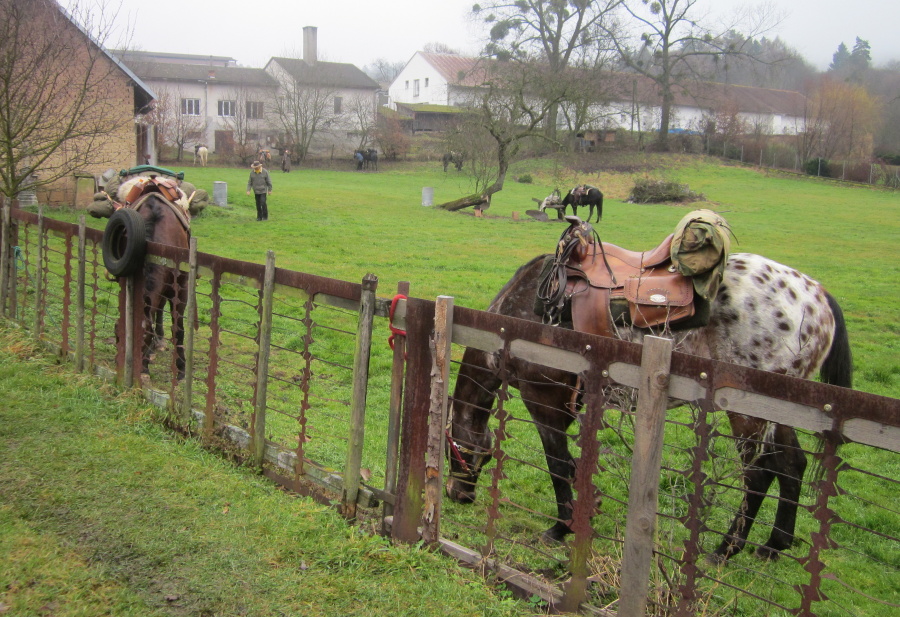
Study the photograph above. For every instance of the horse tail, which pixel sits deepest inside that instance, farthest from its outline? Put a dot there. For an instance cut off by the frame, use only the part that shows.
(600, 206)
(837, 369)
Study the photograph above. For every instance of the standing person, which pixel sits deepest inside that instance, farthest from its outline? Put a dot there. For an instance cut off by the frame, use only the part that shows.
(261, 185)
(286, 161)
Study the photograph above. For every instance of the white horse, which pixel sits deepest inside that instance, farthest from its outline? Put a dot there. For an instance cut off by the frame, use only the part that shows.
(201, 153)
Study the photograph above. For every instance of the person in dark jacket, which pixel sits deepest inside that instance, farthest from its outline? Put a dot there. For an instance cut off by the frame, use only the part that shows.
(261, 185)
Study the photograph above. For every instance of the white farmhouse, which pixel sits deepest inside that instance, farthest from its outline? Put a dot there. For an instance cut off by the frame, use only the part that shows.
(628, 101)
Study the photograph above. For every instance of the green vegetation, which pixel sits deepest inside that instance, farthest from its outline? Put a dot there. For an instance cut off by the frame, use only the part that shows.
(102, 512)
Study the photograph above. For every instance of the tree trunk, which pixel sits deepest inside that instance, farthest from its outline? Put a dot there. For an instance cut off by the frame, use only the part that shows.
(479, 201)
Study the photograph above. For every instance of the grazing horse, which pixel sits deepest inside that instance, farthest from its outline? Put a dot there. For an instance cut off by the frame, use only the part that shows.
(766, 316)
(456, 158)
(201, 153)
(153, 216)
(369, 158)
(584, 195)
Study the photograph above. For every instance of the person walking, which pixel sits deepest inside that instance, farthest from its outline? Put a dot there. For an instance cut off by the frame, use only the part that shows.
(286, 161)
(261, 185)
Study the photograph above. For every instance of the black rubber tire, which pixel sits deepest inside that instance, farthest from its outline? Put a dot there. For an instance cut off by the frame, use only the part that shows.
(124, 243)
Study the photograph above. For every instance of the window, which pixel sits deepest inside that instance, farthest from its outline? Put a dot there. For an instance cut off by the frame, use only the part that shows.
(254, 111)
(407, 84)
(226, 108)
(190, 107)
(338, 104)
(426, 82)
(415, 87)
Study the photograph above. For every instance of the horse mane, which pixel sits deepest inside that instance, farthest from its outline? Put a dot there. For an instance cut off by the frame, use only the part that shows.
(513, 283)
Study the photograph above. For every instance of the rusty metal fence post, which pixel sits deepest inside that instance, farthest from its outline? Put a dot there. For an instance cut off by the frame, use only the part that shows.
(258, 447)
(39, 276)
(358, 397)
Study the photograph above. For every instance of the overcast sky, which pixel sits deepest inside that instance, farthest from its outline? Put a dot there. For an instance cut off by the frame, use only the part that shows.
(360, 31)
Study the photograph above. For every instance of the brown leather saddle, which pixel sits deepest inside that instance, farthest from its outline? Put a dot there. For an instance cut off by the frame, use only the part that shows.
(609, 286)
(167, 189)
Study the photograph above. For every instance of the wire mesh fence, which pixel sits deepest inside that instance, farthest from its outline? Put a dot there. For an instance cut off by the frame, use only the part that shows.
(561, 413)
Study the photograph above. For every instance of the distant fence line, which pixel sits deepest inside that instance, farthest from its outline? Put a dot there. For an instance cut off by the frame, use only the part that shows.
(283, 365)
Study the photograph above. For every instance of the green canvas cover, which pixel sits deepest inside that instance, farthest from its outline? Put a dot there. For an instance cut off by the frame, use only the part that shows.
(700, 250)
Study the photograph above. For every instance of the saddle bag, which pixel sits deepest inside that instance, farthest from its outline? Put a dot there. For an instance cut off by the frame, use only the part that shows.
(659, 297)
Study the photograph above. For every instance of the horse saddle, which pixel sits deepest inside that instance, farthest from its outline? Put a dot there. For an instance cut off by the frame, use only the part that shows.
(605, 286)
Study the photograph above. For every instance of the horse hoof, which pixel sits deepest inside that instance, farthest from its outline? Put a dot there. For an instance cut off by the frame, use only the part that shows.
(714, 559)
(555, 535)
(767, 553)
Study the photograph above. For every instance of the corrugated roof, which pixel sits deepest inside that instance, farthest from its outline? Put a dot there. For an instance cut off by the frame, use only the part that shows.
(328, 74)
(231, 75)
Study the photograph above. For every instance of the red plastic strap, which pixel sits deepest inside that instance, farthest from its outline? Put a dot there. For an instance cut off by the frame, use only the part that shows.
(395, 331)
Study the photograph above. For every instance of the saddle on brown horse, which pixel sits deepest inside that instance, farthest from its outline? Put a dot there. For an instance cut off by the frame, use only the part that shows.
(167, 189)
(599, 287)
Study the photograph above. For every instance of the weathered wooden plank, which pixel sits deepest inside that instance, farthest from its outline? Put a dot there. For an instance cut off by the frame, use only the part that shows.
(872, 433)
(437, 418)
(549, 356)
(773, 409)
(262, 362)
(682, 388)
(358, 395)
(643, 488)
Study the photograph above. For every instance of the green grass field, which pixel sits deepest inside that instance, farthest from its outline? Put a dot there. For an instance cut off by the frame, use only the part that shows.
(343, 224)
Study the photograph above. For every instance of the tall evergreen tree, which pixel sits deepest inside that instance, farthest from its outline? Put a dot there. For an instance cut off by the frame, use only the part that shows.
(840, 59)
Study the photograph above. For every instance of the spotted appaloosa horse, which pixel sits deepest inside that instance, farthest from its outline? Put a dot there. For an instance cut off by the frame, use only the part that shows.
(766, 316)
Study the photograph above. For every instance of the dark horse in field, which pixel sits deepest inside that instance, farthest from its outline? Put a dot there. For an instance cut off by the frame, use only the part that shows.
(766, 316)
(366, 158)
(455, 158)
(584, 195)
(152, 218)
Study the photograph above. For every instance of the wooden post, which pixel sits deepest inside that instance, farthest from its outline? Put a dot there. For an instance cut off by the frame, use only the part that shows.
(394, 414)
(79, 295)
(6, 278)
(258, 445)
(190, 312)
(437, 418)
(515, 216)
(39, 275)
(643, 490)
(358, 398)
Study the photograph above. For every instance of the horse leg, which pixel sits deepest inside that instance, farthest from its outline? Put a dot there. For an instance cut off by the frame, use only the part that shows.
(552, 420)
(789, 465)
(153, 306)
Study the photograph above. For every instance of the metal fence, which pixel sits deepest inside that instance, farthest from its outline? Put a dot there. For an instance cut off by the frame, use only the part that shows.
(281, 367)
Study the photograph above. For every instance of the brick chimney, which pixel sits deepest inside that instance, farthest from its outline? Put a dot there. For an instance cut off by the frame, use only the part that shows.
(309, 44)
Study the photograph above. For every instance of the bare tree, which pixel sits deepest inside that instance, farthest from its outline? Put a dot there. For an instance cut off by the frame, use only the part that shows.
(510, 110)
(671, 35)
(302, 111)
(554, 32)
(56, 110)
(177, 120)
(246, 122)
(383, 71)
(841, 121)
(361, 118)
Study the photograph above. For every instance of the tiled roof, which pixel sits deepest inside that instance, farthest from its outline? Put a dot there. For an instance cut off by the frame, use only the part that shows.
(328, 74)
(233, 75)
(457, 70)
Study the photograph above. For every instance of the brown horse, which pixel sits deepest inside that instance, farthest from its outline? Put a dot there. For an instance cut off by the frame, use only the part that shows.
(766, 316)
(151, 218)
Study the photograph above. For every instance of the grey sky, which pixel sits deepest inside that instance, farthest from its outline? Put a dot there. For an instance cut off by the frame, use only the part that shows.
(359, 31)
